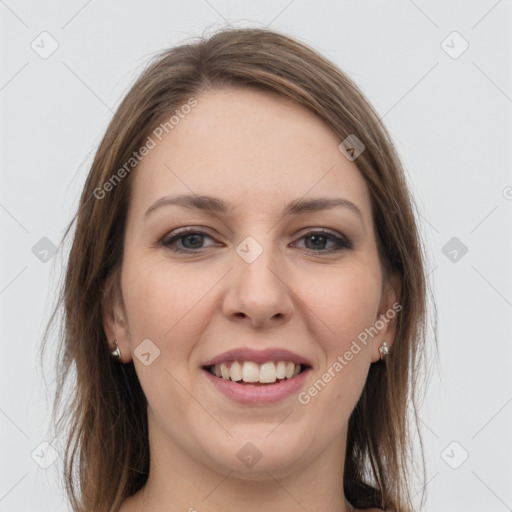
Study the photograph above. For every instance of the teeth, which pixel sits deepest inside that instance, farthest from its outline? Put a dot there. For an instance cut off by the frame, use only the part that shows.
(290, 369)
(281, 370)
(251, 372)
(268, 372)
(235, 372)
(224, 370)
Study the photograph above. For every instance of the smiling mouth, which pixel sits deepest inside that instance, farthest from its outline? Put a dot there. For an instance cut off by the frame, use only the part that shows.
(253, 374)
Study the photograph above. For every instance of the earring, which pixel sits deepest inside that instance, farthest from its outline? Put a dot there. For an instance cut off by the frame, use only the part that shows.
(116, 353)
(384, 350)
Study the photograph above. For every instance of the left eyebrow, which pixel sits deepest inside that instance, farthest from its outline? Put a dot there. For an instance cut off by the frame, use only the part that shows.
(217, 205)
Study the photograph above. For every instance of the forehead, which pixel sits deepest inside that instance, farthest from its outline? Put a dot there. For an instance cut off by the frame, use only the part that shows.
(256, 150)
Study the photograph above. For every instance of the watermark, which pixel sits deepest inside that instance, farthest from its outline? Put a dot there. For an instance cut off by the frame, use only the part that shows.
(507, 193)
(44, 45)
(351, 147)
(146, 352)
(455, 455)
(304, 397)
(151, 142)
(454, 249)
(454, 45)
(249, 249)
(249, 455)
(44, 455)
(44, 250)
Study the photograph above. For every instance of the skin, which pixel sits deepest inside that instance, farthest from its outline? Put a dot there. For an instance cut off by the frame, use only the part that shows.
(256, 151)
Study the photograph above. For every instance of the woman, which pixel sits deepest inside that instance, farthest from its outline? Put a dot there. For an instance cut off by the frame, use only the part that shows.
(245, 293)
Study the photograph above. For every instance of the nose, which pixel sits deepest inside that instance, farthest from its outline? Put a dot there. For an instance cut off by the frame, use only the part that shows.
(258, 293)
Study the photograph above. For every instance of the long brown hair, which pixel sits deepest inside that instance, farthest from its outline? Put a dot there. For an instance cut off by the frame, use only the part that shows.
(104, 417)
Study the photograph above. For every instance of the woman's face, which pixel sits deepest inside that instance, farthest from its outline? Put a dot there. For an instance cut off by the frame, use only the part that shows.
(267, 273)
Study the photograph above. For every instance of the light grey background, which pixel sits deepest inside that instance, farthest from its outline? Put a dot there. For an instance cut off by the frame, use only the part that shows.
(450, 115)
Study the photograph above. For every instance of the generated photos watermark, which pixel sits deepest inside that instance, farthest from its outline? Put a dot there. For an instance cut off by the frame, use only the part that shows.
(363, 338)
(151, 143)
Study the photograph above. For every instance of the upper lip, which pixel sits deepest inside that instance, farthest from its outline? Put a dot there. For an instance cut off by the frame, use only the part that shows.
(258, 356)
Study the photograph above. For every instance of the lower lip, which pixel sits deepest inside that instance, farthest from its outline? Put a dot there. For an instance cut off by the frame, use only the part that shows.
(263, 394)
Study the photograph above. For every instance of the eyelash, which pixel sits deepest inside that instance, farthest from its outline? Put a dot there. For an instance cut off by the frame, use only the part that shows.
(340, 241)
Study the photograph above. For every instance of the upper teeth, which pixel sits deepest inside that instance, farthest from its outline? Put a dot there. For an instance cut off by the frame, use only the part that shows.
(249, 371)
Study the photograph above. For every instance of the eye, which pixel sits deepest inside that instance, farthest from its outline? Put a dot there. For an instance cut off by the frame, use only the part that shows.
(191, 240)
(320, 238)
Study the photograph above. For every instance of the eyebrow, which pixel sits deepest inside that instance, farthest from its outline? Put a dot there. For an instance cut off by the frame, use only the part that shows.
(216, 205)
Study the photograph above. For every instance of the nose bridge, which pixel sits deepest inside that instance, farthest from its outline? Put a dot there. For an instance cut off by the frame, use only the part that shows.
(257, 290)
(256, 268)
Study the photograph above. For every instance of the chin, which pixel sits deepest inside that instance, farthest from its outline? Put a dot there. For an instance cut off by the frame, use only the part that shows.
(254, 457)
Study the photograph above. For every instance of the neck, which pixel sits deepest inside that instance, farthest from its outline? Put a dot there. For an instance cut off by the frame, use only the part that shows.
(177, 482)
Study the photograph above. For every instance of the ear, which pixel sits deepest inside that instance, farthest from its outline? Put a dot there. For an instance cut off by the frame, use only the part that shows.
(114, 317)
(387, 316)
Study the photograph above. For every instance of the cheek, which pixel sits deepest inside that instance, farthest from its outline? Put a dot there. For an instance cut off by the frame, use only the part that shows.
(345, 302)
(165, 304)
(344, 305)
(169, 307)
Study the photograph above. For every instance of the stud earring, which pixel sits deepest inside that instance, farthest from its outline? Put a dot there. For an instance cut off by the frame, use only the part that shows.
(116, 353)
(384, 350)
